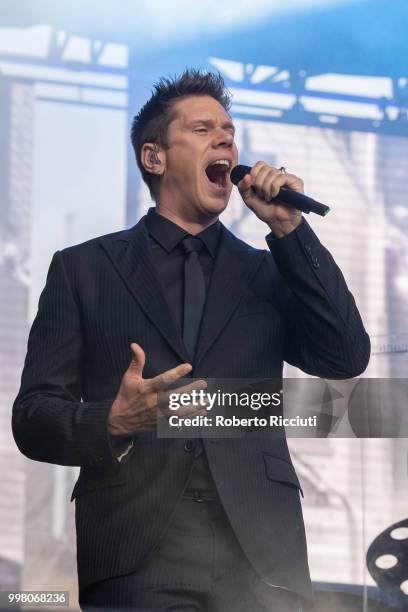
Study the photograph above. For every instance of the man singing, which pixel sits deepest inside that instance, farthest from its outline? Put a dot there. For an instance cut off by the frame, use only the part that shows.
(184, 524)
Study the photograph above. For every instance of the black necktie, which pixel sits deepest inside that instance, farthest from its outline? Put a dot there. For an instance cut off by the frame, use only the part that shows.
(194, 293)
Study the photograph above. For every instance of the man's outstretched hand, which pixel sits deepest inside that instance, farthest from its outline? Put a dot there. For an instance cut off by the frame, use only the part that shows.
(140, 401)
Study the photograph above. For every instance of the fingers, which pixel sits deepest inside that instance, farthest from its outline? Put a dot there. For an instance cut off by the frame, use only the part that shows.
(197, 407)
(267, 181)
(244, 186)
(162, 381)
(164, 397)
(194, 386)
(138, 360)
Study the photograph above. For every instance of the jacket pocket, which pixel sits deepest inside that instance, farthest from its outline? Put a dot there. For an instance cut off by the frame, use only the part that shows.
(280, 470)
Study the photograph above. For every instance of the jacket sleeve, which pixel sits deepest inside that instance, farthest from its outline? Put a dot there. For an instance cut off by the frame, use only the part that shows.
(324, 333)
(50, 421)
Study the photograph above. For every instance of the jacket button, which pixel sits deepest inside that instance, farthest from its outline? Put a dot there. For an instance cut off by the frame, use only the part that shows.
(188, 446)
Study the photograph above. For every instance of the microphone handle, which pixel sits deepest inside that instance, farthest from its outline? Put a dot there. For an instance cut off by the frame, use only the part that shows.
(295, 199)
(301, 202)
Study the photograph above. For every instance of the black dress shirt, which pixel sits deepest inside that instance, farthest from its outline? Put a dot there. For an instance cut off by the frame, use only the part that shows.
(169, 257)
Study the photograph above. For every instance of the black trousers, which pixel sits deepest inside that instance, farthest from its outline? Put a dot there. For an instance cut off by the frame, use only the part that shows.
(198, 566)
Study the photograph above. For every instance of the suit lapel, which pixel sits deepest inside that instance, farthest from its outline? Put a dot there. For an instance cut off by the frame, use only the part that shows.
(129, 252)
(235, 265)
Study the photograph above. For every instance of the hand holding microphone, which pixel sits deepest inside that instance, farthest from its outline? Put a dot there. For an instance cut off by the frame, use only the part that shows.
(276, 197)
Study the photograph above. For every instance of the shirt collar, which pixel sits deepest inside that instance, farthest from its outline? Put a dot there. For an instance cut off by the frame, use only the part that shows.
(169, 234)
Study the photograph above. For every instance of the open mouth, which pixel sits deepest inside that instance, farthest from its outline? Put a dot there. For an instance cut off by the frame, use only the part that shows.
(217, 173)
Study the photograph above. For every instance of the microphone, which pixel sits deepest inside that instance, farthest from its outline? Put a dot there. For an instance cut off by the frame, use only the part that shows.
(293, 198)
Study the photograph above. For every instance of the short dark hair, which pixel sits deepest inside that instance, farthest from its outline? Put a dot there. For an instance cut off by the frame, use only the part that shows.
(153, 119)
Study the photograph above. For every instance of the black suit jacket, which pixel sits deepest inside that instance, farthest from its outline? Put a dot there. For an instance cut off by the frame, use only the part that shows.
(262, 308)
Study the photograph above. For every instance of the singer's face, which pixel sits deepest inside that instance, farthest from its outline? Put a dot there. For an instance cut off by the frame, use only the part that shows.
(201, 152)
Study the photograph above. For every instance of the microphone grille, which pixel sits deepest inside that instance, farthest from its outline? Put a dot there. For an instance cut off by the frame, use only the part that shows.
(238, 173)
